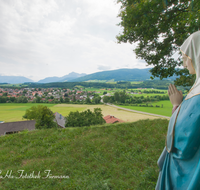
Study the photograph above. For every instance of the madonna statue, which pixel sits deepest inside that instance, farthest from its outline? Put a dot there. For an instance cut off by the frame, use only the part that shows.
(179, 162)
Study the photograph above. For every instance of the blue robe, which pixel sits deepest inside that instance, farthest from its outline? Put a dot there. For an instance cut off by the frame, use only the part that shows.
(179, 162)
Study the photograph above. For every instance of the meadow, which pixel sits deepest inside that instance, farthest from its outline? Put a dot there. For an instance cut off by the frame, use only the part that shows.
(166, 110)
(111, 92)
(10, 112)
(14, 111)
(119, 156)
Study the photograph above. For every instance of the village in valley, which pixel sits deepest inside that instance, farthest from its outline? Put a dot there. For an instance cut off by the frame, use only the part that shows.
(79, 95)
(38, 95)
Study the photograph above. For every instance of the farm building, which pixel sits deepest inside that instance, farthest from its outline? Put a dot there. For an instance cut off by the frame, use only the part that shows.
(15, 127)
(112, 119)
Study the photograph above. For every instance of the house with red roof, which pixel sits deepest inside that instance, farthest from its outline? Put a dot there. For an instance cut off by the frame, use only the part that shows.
(112, 119)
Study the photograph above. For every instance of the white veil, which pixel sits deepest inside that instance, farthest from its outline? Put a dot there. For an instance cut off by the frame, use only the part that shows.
(191, 48)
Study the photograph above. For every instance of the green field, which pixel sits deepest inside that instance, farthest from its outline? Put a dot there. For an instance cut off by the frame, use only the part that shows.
(136, 82)
(148, 89)
(120, 156)
(112, 81)
(13, 112)
(145, 95)
(14, 85)
(101, 91)
(166, 110)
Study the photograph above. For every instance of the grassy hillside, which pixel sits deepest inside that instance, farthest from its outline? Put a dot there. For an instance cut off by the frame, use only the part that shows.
(120, 156)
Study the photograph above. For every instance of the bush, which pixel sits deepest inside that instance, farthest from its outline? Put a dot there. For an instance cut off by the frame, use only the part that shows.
(43, 115)
(86, 118)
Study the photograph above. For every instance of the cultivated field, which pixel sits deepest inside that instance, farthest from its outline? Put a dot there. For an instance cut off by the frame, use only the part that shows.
(10, 112)
(106, 110)
(166, 110)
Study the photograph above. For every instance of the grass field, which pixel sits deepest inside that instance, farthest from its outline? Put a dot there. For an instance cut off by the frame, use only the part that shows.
(166, 110)
(148, 89)
(136, 82)
(103, 81)
(119, 156)
(13, 112)
(145, 95)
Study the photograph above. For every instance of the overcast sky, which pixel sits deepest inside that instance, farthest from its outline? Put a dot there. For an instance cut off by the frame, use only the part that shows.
(44, 38)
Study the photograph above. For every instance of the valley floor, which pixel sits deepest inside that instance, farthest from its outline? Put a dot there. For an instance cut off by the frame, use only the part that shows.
(14, 112)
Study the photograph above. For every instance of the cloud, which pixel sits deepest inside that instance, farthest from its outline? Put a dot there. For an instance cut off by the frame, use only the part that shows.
(103, 67)
(42, 38)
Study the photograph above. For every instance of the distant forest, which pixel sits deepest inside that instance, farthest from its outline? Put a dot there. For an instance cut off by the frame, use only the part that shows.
(160, 84)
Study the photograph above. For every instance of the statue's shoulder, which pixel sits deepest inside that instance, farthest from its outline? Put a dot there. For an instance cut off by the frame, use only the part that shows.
(193, 100)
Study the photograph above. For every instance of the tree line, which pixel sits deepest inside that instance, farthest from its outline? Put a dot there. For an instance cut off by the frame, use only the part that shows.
(159, 84)
(45, 118)
(122, 98)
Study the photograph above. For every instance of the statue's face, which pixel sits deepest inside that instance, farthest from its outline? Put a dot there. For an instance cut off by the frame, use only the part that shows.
(187, 63)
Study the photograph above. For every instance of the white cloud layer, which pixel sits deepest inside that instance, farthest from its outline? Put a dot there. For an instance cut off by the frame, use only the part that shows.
(40, 38)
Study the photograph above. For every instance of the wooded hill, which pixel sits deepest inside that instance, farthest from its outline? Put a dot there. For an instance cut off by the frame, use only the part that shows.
(159, 84)
(117, 75)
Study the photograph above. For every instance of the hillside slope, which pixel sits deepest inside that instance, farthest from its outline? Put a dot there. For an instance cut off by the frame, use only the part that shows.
(119, 156)
(117, 75)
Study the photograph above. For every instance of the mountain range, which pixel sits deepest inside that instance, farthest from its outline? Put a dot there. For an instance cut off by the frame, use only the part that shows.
(65, 78)
(113, 75)
(14, 79)
(117, 75)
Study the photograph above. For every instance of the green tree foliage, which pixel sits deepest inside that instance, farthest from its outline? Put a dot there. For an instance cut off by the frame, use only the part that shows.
(85, 118)
(61, 100)
(159, 27)
(146, 84)
(116, 96)
(43, 115)
(97, 99)
(67, 100)
(22, 99)
(106, 99)
(128, 99)
(3, 99)
(38, 99)
(87, 100)
(120, 96)
(74, 99)
(12, 99)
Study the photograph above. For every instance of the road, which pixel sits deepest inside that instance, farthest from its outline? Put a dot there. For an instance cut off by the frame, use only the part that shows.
(138, 111)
